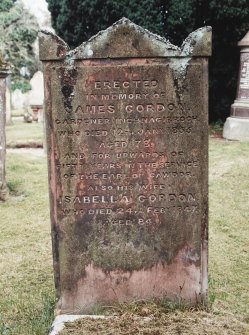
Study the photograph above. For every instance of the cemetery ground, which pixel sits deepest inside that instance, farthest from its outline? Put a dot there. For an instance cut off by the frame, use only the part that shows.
(26, 285)
(21, 134)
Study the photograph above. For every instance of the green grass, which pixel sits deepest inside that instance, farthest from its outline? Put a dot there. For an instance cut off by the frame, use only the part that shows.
(229, 228)
(17, 112)
(19, 133)
(26, 285)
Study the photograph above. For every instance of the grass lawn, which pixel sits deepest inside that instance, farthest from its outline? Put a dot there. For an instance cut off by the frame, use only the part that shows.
(19, 134)
(17, 112)
(26, 285)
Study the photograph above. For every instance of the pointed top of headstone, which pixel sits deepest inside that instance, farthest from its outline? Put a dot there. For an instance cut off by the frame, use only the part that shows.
(125, 39)
(245, 41)
(198, 43)
(51, 46)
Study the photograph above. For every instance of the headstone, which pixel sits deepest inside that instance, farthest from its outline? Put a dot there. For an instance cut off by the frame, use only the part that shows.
(236, 126)
(8, 100)
(4, 72)
(36, 96)
(19, 100)
(127, 131)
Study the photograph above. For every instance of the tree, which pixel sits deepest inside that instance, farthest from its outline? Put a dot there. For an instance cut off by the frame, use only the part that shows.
(5, 5)
(76, 21)
(18, 31)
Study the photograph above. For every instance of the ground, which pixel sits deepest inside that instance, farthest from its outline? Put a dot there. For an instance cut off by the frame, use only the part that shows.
(21, 134)
(160, 322)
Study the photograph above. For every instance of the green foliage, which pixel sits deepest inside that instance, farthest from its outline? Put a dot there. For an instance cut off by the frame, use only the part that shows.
(18, 31)
(179, 20)
(24, 86)
(76, 21)
(5, 5)
(26, 295)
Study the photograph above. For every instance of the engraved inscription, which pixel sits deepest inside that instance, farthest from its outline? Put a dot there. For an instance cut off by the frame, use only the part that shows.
(244, 79)
(122, 167)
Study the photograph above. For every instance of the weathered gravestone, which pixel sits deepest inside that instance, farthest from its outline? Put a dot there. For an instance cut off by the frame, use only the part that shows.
(36, 96)
(236, 126)
(127, 132)
(4, 72)
(8, 100)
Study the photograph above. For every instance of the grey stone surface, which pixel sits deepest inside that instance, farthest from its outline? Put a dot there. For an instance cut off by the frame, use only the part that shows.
(8, 101)
(127, 131)
(36, 94)
(19, 100)
(4, 72)
(236, 129)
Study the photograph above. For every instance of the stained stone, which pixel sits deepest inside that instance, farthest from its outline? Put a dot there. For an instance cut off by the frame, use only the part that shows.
(127, 133)
(4, 72)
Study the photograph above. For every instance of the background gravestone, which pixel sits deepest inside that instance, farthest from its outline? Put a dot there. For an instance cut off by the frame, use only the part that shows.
(127, 131)
(36, 96)
(236, 126)
(4, 72)
(8, 100)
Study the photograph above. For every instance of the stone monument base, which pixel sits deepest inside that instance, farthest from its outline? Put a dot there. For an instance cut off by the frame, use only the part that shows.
(236, 129)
